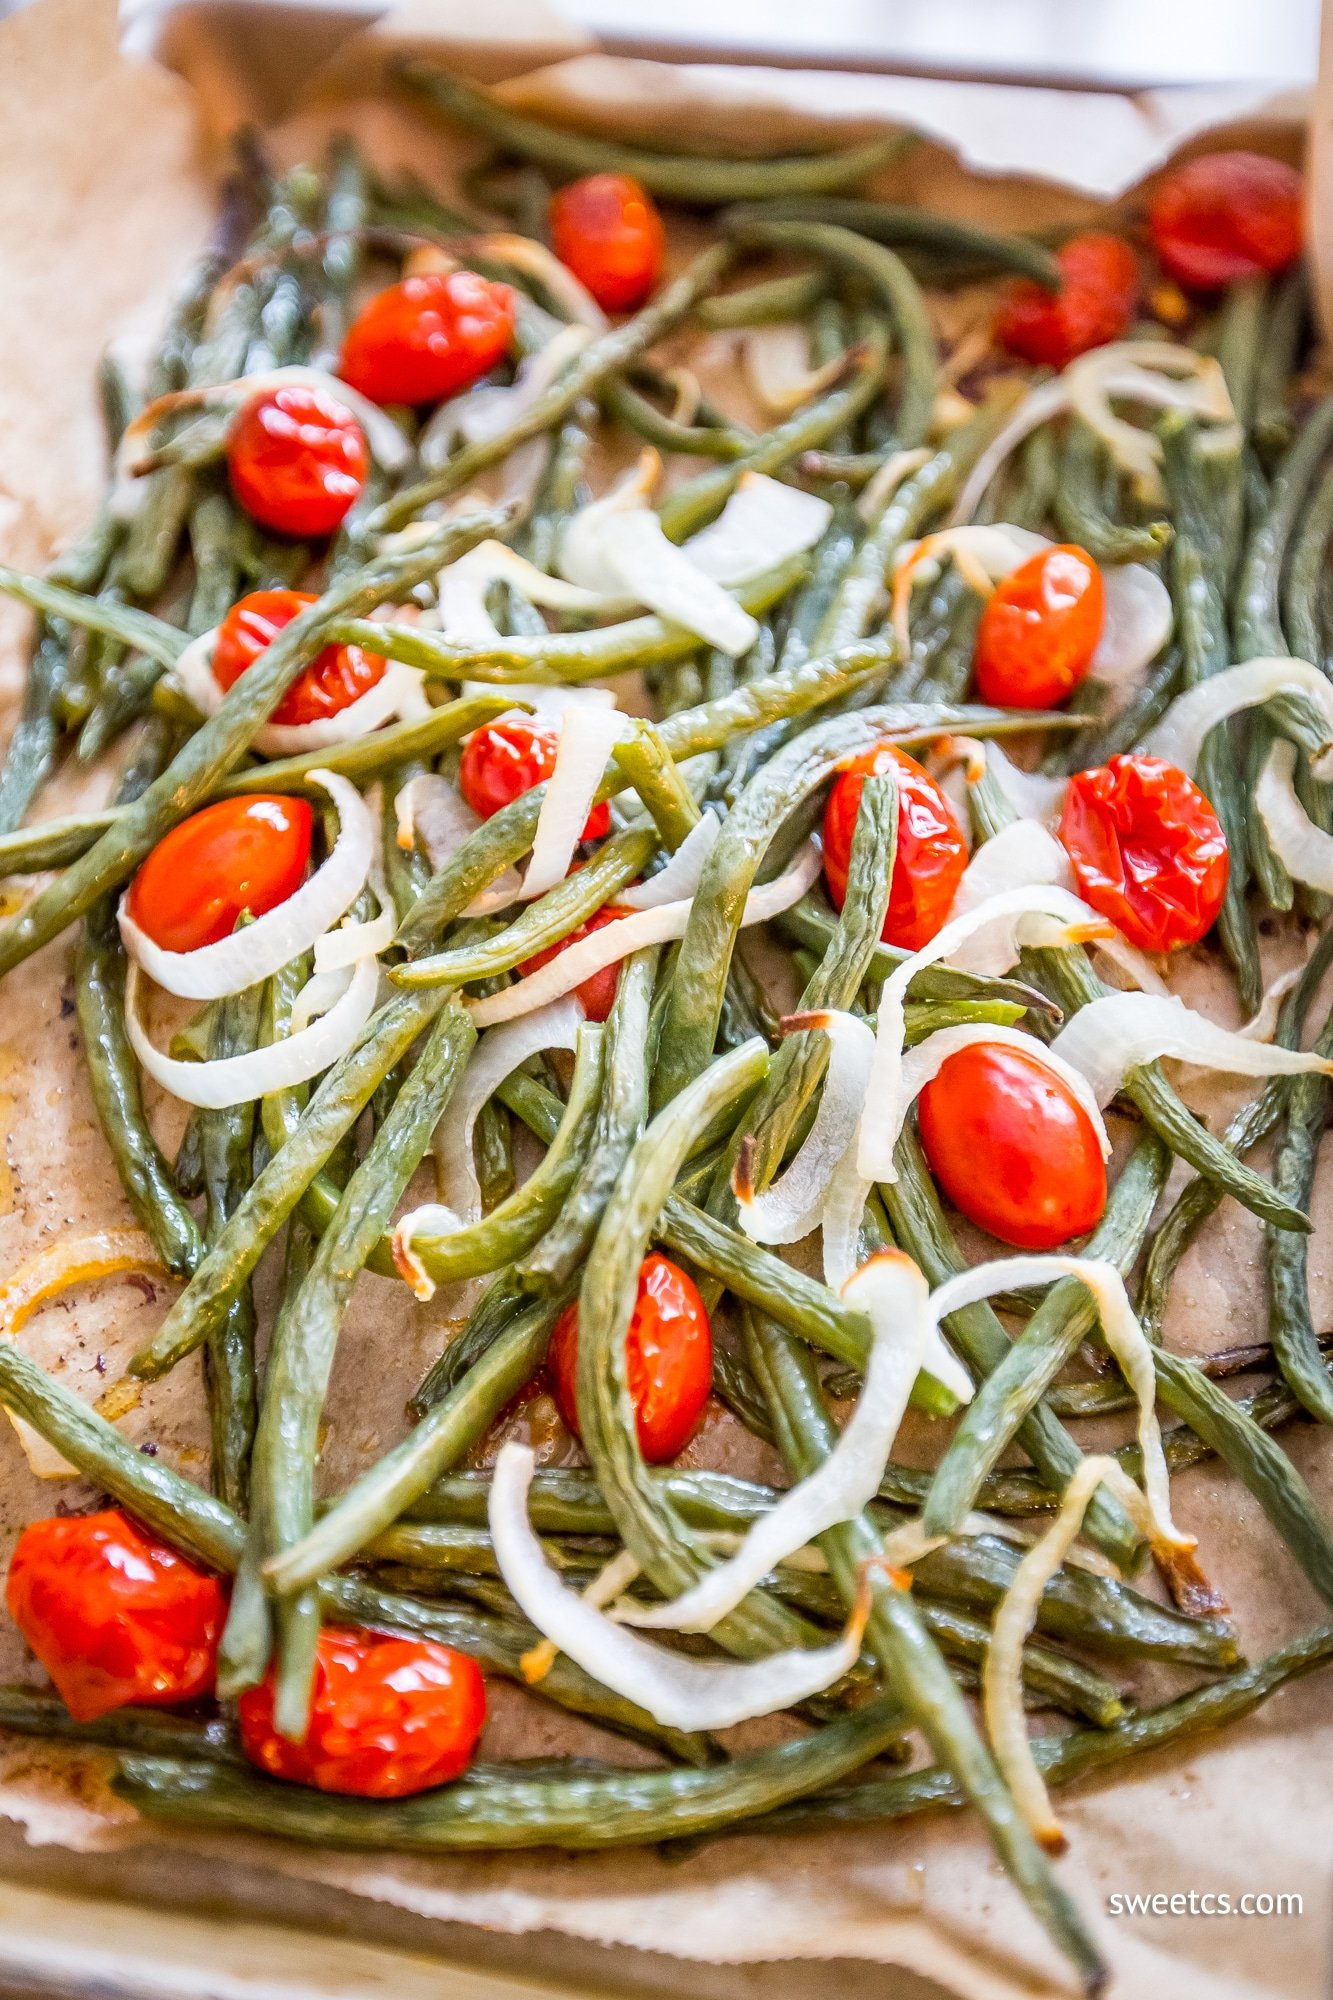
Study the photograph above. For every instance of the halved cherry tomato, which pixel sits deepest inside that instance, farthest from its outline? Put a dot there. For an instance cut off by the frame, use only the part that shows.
(1095, 303)
(334, 679)
(1012, 1147)
(931, 856)
(598, 993)
(238, 855)
(387, 1717)
(297, 459)
(114, 1615)
(1040, 629)
(427, 337)
(1148, 850)
(506, 759)
(608, 231)
(668, 1356)
(1227, 216)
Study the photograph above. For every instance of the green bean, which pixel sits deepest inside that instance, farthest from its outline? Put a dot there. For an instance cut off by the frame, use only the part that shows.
(762, 304)
(1290, 1325)
(678, 176)
(96, 614)
(344, 219)
(1271, 417)
(1304, 570)
(1050, 1679)
(1081, 516)
(226, 1140)
(891, 222)
(629, 406)
(647, 765)
(147, 1731)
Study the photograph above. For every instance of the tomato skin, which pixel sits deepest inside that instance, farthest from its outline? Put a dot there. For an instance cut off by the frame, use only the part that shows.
(427, 337)
(114, 1615)
(506, 759)
(388, 1717)
(598, 993)
(334, 679)
(1040, 629)
(297, 460)
(1227, 216)
(931, 856)
(1095, 303)
(606, 228)
(1012, 1147)
(668, 1355)
(1148, 850)
(240, 854)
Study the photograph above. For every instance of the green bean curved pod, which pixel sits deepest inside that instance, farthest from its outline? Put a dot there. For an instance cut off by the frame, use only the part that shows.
(894, 223)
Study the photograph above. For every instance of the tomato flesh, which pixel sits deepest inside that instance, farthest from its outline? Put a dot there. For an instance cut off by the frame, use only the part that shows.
(931, 853)
(1148, 851)
(114, 1615)
(239, 855)
(506, 759)
(668, 1358)
(387, 1717)
(334, 679)
(1098, 294)
(297, 460)
(1012, 1147)
(1227, 216)
(1040, 629)
(606, 228)
(598, 991)
(427, 337)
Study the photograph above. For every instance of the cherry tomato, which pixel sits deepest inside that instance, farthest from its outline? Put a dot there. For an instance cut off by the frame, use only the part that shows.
(608, 231)
(240, 854)
(1148, 850)
(114, 1615)
(387, 1717)
(598, 993)
(668, 1355)
(1040, 629)
(427, 337)
(1095, 303)
(1012, 1147)
(1227, 216)
(506, 759)
(297, 460)
(334, 679)
(931, 856)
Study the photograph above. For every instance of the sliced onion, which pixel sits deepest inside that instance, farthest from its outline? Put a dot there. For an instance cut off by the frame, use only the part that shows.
(679, 879)
(679, 1692)
(923, 1064)
(655, 572)
(613, 942)
(1180, 734)
(582, 558)
(1030, 793)
(495, 1057)
(764, 523)
(490, 408)
(350, 942)
(526, 254)
(1263, 1025)
(282, 933)
(1047, 400)
(461, 614)
(387, 444)
(432, 1218)
(431, 814)
(587, 738)
(1138, 624)
(892, 1293)
(241, 1079)
(1304, 849)
(775, 361)
(898, 466)
(1121, 1031)
(398, 692)
(790, 1208)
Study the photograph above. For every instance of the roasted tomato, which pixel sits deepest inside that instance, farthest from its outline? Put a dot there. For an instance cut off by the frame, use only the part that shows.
(931, 855)
(297, 459)
(598, 991)
(668, 1356)
(114, 1615)
(238, 855)
(387, 1717)
(1148, 850)
(1095, 303)
(1012, 1147)
(1040, 629)
(427, 337)
(334, 679)
(607, 230)
(1227, 216)
(506, 759)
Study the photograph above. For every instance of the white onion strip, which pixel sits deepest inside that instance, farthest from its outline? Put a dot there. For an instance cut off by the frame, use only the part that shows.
(1113, 1035)
(1304, 849)
(587, 738)
(789, 1209)
(398, 692)
(682, 873)
(678, 1692)
(489, 408)
(655, 572)
(282, 933)
(497, 1056)
(764, 523)
(613, 942)
(892, 1293)
(240, 1079)
(461, 614)
(1179, 736)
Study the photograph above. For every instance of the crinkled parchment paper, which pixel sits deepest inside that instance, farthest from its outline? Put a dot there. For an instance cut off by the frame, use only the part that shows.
(103, 196)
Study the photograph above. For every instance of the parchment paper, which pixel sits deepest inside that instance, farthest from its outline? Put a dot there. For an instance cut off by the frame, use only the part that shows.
(103, 196)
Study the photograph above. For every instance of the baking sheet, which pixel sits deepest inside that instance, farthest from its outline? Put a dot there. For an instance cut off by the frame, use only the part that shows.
(105, 196)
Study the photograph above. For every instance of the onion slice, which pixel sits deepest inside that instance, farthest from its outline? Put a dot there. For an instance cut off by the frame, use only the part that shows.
(891, 1291)
(398, 692)
(682, 874)
(1118, 1033)
(241, 1079)
(1304, 849)
(764, 523)
(1139, 620)
(789, 1209)
(282, 933)
(1179, 736)
(775, 361)
(587, 737)
(461, 613)
(494, 1058)
(679, 1692)
(655, 572)
(491, 407)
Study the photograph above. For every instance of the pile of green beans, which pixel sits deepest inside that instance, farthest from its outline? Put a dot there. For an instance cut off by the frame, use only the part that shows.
(691, 1080)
